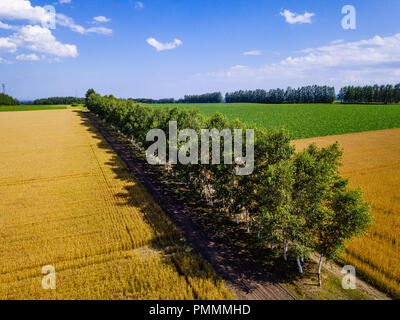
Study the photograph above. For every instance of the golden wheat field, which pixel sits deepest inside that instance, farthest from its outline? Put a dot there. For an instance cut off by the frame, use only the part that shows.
(67, 200)
(372, 161)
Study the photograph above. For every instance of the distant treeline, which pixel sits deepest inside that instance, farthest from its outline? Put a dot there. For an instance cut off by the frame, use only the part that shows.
(370, 94)
(6, 100)
(59, 100)
(154, 101)
(309, 94)
(214, 97)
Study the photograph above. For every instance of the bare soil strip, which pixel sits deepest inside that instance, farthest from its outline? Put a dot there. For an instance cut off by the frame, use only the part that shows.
(240, 272)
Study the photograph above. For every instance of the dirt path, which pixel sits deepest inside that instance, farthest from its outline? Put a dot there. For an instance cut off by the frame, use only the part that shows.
(363, 286)
(371, 161)
(241, 273)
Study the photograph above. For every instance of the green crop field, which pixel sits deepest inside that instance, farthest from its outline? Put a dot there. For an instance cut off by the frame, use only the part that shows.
(307, 120)
(29, 108)
(36, 108)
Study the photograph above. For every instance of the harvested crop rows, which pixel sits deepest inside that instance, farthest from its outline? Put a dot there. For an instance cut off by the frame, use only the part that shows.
(372, 161)
(68, 201)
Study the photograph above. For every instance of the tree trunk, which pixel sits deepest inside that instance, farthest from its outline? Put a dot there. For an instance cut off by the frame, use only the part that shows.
(285, 248)
(319, 270)
(208, 188)
(210, 195)
(237, 219)
(247, 221)
(205, 191)
(299, 265)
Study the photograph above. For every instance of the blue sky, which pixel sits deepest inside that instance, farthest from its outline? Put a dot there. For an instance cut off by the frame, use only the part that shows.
(112, 54)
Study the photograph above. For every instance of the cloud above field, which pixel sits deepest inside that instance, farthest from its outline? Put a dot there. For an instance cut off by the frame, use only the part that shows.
(293, 18)
(6, 45)
(68, 22)
(29, 32)
(372, 60)
(101, 19)
(22, 10)
(164, 46)
(27, 57)
(252, 53)
(6, 26)
(37, 38)
(139, 5)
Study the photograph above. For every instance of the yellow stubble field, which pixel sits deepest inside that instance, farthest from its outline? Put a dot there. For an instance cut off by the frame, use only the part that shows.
(372, 161)
(67, 200)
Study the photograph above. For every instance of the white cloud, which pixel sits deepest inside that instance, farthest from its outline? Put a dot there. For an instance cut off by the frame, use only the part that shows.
(252, 53)
(100, 30)
(337, 41)
(27, 57)
(238, 67)
(39, 39)
(293, 18)
(375, 60)
(2, 60)
(101, 19)
(139, 5)
(376, 50)
(22, 10)
(164, 46)
(36, 38)
(5, 26)
(68, 22)
(7, 45)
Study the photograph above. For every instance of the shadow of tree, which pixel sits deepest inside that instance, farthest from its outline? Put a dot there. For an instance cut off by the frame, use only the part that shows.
(186, 210)
(167, 238)
(134, 194)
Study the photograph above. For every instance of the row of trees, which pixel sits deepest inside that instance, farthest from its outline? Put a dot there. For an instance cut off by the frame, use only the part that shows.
(214, 97)
(6, 100)
(59, 100)
(296, 202)
(154, 101)
(309, 94)
(370, 94)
